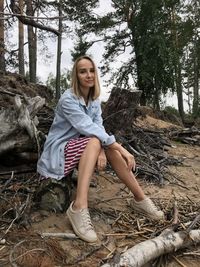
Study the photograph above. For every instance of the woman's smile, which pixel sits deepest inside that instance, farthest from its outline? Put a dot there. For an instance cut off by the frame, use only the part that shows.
(86, 74)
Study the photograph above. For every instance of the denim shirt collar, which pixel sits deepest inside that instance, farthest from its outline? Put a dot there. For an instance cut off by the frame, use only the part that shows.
(82, 102)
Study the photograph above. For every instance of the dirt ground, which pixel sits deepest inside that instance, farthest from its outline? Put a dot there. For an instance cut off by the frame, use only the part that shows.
(109, 197)
(118, 227)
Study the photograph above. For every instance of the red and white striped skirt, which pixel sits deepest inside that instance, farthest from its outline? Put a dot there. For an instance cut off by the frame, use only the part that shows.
(73, 151)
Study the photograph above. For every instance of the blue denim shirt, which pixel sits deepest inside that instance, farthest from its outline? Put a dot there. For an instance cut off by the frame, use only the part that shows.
(72, 119)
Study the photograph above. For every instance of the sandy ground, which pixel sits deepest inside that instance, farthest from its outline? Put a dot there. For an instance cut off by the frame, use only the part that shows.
(110, 197)
(117, 226)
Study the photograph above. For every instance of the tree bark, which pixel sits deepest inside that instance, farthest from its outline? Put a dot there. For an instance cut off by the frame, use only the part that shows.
(19, 136)
(25, 119)
(167, 242)
(196, 99)
(178, 81)
(59, 52)
(54, 195)
(2, 42)
(177, 67)
(21, 42)
(32, 45)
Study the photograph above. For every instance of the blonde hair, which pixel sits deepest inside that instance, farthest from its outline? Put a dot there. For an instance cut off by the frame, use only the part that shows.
(95, 90)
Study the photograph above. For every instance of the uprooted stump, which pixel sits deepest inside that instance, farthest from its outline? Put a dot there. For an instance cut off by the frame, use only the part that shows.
(54, 195)
(20, 135)
(18, 124)
(119, 110)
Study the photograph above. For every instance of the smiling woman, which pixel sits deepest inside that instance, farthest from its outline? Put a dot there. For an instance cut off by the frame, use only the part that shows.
(84, 78)
(77, 138)
(85, 74)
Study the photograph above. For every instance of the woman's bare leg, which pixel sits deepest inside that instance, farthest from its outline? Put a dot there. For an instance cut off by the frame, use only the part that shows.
(140, 203)
(119, 166)
(85, 171)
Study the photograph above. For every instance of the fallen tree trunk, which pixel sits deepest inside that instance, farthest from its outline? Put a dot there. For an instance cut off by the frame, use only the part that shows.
(21, 134)
(18, 134)
(168, 242)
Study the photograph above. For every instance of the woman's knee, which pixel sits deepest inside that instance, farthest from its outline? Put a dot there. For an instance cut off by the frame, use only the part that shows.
(95, 142)
(113, 155)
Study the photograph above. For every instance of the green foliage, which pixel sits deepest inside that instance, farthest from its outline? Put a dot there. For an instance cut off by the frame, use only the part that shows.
(150, 30)
(77, 10)
(81, 46)
(142, 29)
(155, 35)
(27, 77)
(64, 81)
(158, 40)
(171, 110)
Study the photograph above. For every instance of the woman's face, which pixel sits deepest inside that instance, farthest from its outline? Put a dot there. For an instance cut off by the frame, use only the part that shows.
(86, 73)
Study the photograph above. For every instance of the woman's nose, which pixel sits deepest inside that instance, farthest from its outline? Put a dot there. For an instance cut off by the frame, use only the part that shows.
(88, 73)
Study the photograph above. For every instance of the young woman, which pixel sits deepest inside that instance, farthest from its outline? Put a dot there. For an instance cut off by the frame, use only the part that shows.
(77, 138)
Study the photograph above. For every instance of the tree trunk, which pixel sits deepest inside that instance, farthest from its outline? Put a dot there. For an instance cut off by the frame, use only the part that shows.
(59, 52)
(140, 83)
(24, 120)
(156, 99)
(177, 67)
(32, 45)
(2, 43)
(18, 125)
(178, 81)
(21, 42)
(196, 99)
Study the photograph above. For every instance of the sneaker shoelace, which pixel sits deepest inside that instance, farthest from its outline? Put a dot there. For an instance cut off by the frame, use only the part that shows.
(151, 206)
(87, 220)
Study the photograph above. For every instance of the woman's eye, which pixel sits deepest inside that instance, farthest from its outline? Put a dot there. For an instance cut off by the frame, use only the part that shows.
(85, 71)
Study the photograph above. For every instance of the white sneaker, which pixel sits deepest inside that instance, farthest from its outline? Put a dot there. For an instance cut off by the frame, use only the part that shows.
(81, 224)
(148, 208)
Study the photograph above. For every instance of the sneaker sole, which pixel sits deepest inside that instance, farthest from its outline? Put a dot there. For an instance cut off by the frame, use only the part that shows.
(139, 211)
(77, 232)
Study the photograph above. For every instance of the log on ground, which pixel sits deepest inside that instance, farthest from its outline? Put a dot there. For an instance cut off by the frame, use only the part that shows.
(168, 242)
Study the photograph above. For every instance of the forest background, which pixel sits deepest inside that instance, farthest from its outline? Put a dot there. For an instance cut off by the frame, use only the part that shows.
(153, 46)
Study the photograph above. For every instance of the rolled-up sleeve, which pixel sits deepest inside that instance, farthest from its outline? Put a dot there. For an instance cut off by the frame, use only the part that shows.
(83, 123)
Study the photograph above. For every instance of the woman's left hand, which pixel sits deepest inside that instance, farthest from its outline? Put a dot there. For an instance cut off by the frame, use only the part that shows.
(101, 160)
